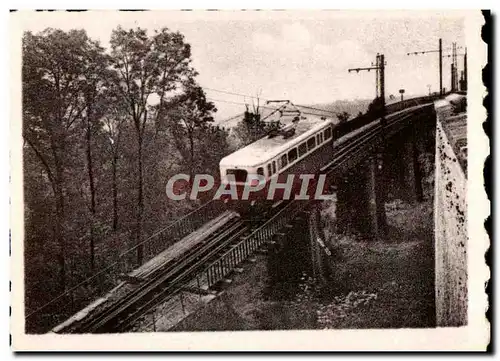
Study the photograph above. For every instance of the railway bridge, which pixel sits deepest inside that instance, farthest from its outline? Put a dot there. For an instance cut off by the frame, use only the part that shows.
(198, 252)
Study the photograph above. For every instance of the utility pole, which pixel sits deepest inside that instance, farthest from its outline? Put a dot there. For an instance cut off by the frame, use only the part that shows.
(381, 66)
(441, 56)
(377, 168)
(380, 81)
(454, 68)
(465, 70)
(440, 66)
(452, 78)
(440, 51)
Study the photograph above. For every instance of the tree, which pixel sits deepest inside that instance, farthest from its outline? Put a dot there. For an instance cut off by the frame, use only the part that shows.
(246, 132)
(191, 115)
(55, 64)
(375, 107)
(343, 117)
(93, 159)
(148, 67)
(114, 123)
(97, 78)
(215, 146)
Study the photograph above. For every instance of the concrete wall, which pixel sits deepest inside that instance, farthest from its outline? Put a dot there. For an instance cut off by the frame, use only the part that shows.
(450, 225)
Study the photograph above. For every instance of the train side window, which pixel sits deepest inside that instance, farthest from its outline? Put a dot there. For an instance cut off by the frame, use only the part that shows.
(274, 166)
(328, 133)
(321, 136)
(311, 143)
(260, 171)
(318, 141)
(269, 172)
(283, 161)
(302, 149)
(292, 155)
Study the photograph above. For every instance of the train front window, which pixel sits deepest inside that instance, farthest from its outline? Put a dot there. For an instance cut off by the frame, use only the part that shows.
(240, 175)
(260, 171)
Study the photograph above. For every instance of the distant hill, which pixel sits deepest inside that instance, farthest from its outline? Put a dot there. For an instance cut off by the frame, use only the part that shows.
(353, 107)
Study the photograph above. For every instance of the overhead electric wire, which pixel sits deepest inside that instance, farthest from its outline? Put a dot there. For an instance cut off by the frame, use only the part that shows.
(233, 93)
(270, 108)
(239, 103)
(257, 97)
(225, 101)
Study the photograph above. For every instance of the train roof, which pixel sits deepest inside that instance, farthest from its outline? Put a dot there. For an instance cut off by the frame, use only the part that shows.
(264, 149)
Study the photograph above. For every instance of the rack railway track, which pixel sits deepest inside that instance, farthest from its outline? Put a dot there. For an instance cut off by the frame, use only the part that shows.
(168, 280)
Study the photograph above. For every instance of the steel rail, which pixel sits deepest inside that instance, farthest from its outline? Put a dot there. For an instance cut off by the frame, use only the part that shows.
(175, 285)
(194, 272)
(247, 246)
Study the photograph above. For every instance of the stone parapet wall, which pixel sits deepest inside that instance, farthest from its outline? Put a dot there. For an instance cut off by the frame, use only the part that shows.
(450, 216)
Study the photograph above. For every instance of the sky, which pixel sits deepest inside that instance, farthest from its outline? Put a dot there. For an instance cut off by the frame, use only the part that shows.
(302, 56)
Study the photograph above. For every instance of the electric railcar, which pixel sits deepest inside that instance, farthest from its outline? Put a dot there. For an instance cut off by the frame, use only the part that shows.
(303, 151)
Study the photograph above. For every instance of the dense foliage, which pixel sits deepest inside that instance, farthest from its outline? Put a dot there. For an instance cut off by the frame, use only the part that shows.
(103, 130)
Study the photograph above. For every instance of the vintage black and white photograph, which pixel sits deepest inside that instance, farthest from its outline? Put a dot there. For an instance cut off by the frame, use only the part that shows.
(183, 173)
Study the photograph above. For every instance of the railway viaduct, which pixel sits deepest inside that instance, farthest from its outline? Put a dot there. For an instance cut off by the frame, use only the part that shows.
(384, 162)
(396, 169)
